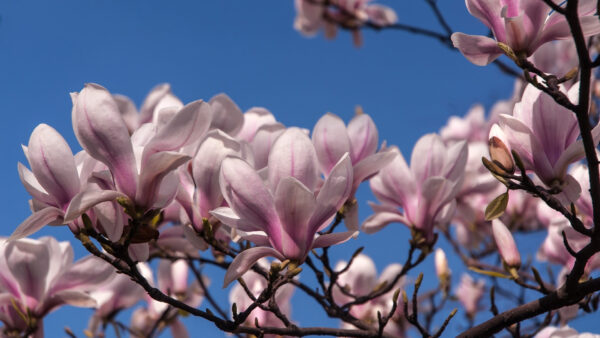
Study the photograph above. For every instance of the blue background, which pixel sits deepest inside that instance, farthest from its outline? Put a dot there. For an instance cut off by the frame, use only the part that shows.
(409, 84)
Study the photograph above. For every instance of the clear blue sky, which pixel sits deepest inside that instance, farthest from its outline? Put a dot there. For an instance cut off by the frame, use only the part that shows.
(409, 84)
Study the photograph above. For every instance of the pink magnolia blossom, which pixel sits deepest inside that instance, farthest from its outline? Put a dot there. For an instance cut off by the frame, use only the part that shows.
(54, 182)
(546, 137)
(38, 276)
(425, 191)
(282, 215)
(117, 294)
(332, 139)
(311, 16)
(523, 25)
(138, 165)
(563, 332)
(469, 294)
(360, 279)
(256, 284)
(173, 281)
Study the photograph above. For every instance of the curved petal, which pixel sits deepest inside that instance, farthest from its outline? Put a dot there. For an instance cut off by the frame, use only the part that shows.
(153, 172)
(128, 111)
(333, 194)
(226, 115)
(254, 118)
(247, 195)
(87, 274)
(28, 261)
(330, 140)
(370, 165)
(228, 217)
(33, 187)
(86, 200)
(380, 220)
(480, 50)
(152, 99)
(188, 125)
(245, 260)
(489, 12)
(102, 132)
(293, 155)
(294, 204)
(206, 165)
(36, 221)
(332, 239)
(53, 164)
(363, 137)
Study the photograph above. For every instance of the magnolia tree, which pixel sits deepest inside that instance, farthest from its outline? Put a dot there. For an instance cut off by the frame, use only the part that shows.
(197, 184)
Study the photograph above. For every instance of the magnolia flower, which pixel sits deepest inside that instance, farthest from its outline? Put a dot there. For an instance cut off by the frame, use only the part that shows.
(425, 191)
(311, 16)
(257, 284)
(118, 293)
(563, 332)
(360, 279)
(173, 281)
(332, 139)
(284, 214)
(470, 294)
(54, 182)
(522, 25)
(138, 170)
(37, 276)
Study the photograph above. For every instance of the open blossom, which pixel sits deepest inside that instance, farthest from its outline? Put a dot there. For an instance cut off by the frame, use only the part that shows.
(425, 191)
(360, 279)
(117, 294)
(523, 25)
(37, 276)
(257, 284)
(173, 281)
(332, 139)
(311, 16)
(469, 294)
(283, 214)
(546, 137)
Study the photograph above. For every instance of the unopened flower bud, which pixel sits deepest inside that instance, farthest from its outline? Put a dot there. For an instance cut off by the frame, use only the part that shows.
(501, 155)
(441, 264)
(506, 244)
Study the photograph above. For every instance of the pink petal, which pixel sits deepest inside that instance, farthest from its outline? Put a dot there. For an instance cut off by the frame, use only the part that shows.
(33, 187)
(254, 118)
(153, 172)
(262, 142)
(247, 195)
(333, 239)
(152, 99)
(295, 204)
(53, 164)
(188, 125)
(28, 261)
(86, 200)
(226, 115)
(245, 260)
(489, 12)
(480, 50)
(333, 194)
(428, 157)
(36, 221)
(363, 137)
(293, 155)
(128, 111)
(330, 140)
(372, 164)
(86, 274)
(206, 165)
(102, 132)
(380, 220)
